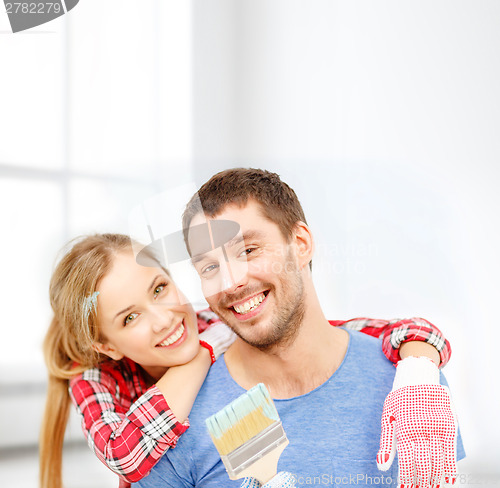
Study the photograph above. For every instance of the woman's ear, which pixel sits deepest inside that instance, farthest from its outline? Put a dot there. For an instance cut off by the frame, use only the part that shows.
(304, 242)
(108, 350)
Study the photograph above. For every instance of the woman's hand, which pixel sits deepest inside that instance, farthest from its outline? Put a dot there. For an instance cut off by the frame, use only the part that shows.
(419, 422)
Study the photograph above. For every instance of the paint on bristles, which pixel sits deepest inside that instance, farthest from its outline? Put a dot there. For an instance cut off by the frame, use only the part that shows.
(242, 419)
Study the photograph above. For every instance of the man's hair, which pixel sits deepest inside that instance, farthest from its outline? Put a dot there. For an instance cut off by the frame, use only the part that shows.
(237, 186)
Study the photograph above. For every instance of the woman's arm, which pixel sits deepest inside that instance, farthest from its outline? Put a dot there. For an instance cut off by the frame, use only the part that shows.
(401, 339)
(181, 384)
(128, 436)
(419, 348)
(404, 337)
(128, 426)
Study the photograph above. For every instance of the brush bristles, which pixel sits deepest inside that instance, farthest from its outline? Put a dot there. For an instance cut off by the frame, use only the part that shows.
(242, 419)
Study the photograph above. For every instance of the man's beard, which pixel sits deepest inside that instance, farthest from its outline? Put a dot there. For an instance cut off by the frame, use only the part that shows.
(286, 321)
(284, 327)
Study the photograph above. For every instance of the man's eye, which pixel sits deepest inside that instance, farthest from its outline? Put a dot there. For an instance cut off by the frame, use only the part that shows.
(248, 251)
(129, 318)
(207, 270)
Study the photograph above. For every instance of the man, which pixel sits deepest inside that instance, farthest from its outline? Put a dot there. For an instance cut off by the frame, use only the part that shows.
(329, 384)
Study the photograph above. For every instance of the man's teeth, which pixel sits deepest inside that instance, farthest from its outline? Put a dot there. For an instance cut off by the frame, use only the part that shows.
(174, 337)
(250, 304)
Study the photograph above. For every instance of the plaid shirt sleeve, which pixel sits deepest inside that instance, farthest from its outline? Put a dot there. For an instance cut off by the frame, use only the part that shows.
(128, 436)
(396, 332)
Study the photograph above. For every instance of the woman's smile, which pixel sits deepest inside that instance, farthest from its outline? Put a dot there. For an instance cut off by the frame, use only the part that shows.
(175, 338)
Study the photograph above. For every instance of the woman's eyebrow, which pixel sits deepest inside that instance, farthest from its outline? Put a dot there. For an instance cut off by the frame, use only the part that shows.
(123, 311)
(153, 282)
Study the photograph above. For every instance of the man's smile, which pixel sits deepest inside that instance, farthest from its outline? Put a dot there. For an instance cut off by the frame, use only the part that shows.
(249, 307)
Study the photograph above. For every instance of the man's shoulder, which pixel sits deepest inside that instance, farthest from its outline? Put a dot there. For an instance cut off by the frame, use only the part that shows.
(217, 391)
(195, 456)
(361, 342)
(365, 359)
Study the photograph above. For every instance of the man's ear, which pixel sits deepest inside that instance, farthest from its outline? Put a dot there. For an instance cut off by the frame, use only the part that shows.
(108, 350)
(304, 241)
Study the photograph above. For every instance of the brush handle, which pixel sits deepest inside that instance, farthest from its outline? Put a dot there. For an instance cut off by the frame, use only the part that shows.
(264, 468)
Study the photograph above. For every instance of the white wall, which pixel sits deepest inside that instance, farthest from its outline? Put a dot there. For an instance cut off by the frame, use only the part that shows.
(95, 117)
(384, 117)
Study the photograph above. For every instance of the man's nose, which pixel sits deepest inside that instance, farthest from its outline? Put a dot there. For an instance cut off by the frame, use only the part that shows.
(234, 274)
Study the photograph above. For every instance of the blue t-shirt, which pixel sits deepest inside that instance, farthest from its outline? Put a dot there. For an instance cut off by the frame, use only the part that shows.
(334, 430)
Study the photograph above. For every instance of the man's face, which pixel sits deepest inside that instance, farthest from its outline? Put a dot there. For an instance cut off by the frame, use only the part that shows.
(253, 282)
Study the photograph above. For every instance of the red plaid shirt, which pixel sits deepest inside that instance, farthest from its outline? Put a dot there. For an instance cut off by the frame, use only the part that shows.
(395, 332)
(130, 426)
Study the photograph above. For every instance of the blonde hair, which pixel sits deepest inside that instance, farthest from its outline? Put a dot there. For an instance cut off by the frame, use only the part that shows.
(72, 332)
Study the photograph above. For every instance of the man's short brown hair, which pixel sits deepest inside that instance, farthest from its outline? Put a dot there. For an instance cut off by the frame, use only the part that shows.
(239, 185)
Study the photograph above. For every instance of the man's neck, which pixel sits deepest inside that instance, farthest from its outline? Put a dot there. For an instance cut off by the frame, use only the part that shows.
(292, 369)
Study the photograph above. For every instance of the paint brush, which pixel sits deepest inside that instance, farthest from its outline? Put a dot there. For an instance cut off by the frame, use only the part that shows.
(249, 435)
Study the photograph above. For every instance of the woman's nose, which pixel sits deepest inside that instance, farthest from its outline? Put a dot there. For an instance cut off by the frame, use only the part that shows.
(161, 316)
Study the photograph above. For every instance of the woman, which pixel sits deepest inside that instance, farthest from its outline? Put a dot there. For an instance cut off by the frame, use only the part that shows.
(123, 346)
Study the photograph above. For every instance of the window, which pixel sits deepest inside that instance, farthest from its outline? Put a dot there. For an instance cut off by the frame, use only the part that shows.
(91, 124)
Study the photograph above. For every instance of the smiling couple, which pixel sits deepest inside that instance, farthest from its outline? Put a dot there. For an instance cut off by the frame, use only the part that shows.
(136, 367)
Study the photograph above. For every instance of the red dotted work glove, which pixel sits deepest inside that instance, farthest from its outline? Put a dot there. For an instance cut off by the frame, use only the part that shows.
(419, 420)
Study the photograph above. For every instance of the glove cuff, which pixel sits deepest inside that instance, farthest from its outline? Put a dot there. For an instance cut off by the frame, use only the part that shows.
(416, 371)
(283, 479)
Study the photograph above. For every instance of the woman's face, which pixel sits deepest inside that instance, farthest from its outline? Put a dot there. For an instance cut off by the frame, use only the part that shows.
(144, 317)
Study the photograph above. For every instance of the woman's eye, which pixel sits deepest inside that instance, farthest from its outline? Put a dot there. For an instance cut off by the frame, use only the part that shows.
(129, 318)
(159, 289)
